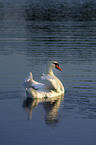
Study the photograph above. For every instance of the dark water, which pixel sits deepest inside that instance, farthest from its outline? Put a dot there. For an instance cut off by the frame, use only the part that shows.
(26, 44)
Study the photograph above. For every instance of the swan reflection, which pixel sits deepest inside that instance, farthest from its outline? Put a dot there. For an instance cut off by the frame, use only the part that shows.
(50, 105)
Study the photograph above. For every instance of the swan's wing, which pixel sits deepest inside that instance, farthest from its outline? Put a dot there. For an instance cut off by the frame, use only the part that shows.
(30, 83)
(37, 86)
(49, 81)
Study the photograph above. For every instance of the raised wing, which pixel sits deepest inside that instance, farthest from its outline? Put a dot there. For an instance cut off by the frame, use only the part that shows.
(49, 81)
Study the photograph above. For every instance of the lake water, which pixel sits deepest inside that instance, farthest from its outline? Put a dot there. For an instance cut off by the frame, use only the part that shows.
(26, 45)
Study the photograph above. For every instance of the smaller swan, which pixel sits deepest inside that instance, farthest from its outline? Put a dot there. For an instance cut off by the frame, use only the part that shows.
(51, 86)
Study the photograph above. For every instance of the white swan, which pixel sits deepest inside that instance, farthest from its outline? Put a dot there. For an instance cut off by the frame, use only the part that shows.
(51, 87)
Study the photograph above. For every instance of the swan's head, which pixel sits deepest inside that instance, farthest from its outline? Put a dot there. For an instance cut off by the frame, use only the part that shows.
(52, 65)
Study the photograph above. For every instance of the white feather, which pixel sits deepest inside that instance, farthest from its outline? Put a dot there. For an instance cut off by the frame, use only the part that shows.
(51, 86)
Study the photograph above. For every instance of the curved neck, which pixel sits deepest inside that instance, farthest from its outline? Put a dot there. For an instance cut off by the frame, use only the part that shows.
(50, 71)
(58, 82)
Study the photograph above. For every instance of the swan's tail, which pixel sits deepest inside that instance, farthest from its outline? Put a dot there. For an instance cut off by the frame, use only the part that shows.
(28, 81)
(30, 77)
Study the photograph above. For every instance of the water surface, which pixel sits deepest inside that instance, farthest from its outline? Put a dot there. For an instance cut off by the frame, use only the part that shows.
(26, 45)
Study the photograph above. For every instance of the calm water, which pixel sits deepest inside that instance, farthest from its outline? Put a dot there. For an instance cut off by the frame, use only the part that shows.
(26, 45)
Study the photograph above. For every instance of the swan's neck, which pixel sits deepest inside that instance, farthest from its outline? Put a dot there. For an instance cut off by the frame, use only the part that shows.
(58, 82)
(50, 71)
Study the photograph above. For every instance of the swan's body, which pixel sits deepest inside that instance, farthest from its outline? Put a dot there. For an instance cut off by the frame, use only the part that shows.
(51, 87)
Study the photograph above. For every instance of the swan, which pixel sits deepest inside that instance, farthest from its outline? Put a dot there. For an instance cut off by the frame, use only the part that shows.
(51, 86)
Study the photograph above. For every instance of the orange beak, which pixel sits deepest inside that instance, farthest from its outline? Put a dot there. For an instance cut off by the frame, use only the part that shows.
(58, 67)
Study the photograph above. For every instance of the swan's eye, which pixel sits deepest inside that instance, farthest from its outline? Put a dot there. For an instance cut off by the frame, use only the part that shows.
(56, 64)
